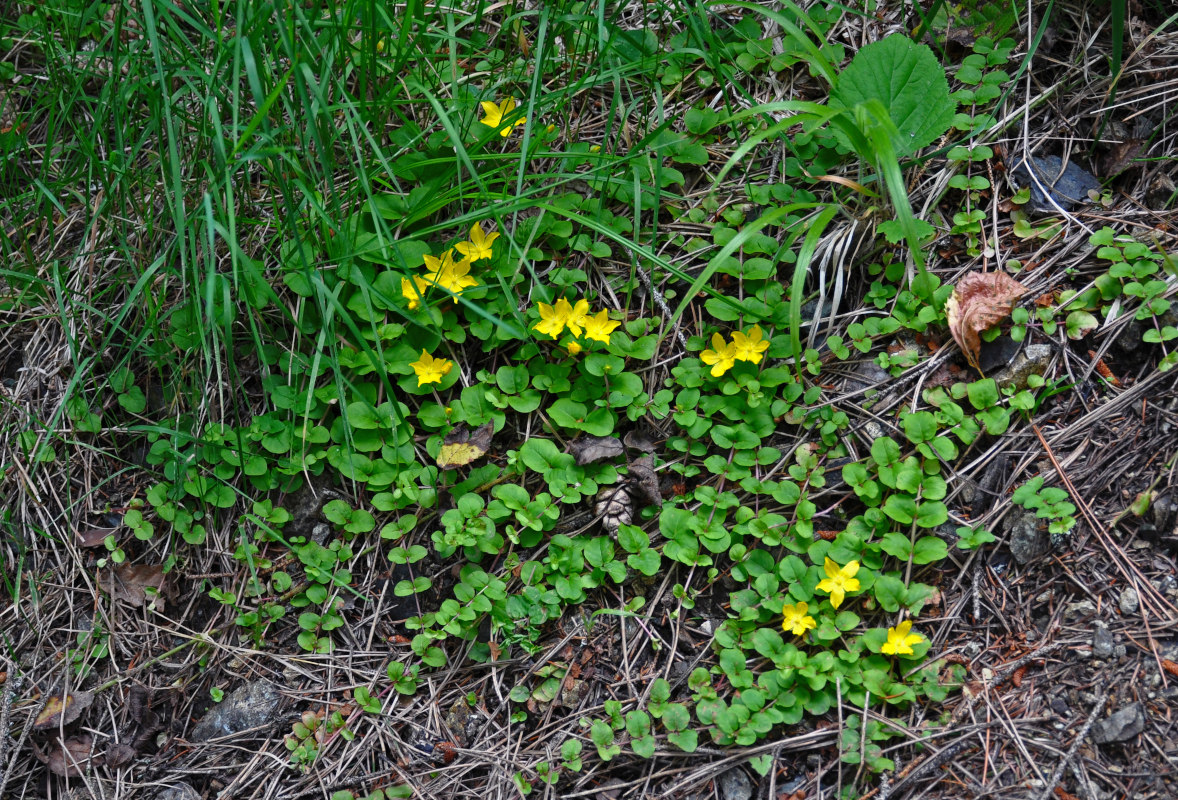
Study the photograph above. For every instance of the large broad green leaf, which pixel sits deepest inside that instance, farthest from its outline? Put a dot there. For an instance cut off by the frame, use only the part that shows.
(907, 79)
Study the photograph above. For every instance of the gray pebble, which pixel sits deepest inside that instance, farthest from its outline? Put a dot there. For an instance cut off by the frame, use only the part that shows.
(249, 706)
(1102, 641)
(1129, 601)
(1120, 726)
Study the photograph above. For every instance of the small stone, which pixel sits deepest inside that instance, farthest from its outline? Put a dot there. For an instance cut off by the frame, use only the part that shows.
(734, 785)
(1060, 706)
(179, 791)
(1129, 601)
(1066, 186)
(1031, 360)
(249, 706)
(1084, 608)
(1027, 540)
(1044, 597)
(1120, 726)
(1102, 641)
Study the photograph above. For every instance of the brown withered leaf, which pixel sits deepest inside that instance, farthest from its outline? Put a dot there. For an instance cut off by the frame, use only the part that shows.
(644, 486)
(588, 449)
(980, 301)
(94, 537)
(70, 758)
(127, 583)
(638, 440)
(58, 712)
(120, 755)
(463, 446)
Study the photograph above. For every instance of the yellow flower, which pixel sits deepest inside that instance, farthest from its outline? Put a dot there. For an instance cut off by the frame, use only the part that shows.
(448, 273)
(722, 356)
(497, 113)
(900, 640)
(555, 318)
(479, 245)
(414, 290)
(751, 347)
(839, 581)
(796, 620)
(599, 327)
(430, 369)
(574, 347)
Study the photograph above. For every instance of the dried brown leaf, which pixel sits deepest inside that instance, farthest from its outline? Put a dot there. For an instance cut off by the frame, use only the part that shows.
(71, 758)
(645, 488)
(128, 583)
(462, 445)
(588, 449)
(58, 712)
(120, 755)
(638, 440)
(979, 302)
(94, 537)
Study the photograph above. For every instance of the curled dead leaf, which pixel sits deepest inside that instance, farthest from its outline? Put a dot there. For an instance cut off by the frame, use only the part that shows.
(980, 300)
(58, 712)
(462, 445)
(588, 449)
(70, 758)
(129, 584)
(644, 483)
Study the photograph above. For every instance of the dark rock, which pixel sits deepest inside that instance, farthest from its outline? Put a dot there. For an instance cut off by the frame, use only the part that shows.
(249, 706)
(1060, 706)
(1067, 190)
(1027, 540)
(1031, 360)
(1120, 726)
(997, 354)
(1102, 642)
(734, 785)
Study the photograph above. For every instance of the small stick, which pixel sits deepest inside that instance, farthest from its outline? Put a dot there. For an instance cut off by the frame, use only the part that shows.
(1071, 753)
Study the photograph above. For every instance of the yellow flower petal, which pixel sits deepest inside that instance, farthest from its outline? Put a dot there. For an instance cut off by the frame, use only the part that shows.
(599, 327)
(430, 369)
(750, 347)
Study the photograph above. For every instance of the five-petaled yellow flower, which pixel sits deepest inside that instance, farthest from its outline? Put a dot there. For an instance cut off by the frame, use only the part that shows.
(796, 620)
(900, 640)
(414, 290)
(751, 347)
(497, 113)
(839, 581)
(555, 318)
(722, 356)
(430, 369)
(600, 326)
(448, 273)
(479, 245)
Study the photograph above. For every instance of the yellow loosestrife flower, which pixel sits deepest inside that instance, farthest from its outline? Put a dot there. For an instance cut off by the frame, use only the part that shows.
(796, 620)
(495, 115)
(448, 273)
(751, 347)
(599, 327)
(574, 347)
(555, 318)
(900, 640)
(479, 246)
(839, 581)
(430, 369)
(722, 356)
(414, 290)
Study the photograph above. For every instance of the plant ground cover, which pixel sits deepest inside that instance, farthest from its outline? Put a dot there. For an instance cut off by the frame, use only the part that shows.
(585, 400)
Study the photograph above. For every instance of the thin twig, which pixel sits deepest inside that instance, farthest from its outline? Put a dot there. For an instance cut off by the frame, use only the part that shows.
(1071, 753)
